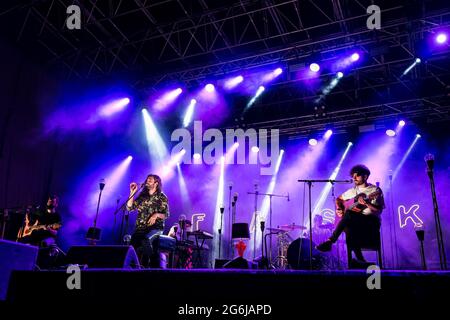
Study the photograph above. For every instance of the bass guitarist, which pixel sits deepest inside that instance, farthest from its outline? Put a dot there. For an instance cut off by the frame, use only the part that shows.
(366, 204)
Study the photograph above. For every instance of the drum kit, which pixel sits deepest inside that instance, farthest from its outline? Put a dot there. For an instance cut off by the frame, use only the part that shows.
(294, 254)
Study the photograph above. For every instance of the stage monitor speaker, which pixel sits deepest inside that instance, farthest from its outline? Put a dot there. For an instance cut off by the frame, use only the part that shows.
(14, 256)
(103, 256)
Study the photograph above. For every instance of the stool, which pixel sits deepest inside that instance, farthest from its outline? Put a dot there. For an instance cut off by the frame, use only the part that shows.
(364, 238)
(164, 245)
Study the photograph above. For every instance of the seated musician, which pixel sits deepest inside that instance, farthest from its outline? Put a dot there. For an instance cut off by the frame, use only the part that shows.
(41, 227)
(366, 209)
(153, 208)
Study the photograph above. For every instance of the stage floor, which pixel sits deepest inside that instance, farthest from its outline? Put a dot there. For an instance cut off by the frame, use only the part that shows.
(285, 291)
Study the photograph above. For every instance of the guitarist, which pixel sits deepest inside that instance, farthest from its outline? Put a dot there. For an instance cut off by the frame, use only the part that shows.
(41, 228)
(368, 203)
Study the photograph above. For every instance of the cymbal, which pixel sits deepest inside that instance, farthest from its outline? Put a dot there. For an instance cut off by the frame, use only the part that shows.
(291, 227)
(327, 226)
(277, 230)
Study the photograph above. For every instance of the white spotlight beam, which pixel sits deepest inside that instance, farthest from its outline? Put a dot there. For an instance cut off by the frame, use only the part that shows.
(326, 190)
(264, 207)
(156, 147)
(405, 156)
(219, 203)
(189, 113)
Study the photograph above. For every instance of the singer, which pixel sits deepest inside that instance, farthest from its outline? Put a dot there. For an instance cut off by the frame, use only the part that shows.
(153, 208)
(357, 209)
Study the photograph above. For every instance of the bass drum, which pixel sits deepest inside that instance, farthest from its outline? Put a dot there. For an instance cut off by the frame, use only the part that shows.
(298, 255)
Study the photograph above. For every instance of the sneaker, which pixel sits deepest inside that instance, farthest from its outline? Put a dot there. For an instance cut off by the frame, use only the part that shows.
(325, 246)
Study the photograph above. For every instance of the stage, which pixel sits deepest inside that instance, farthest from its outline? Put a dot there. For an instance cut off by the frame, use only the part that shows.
(286, 292)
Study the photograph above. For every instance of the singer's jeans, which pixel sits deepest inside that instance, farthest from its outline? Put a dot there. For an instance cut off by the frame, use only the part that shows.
(355, 220)
(142, 242)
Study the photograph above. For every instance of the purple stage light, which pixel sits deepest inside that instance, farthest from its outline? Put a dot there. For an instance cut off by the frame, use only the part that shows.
(233, 82)
(312, 142)
(418, 136)
(114, 107)
(355, 57)
(441, 38)
(167, 99)
(314, 67)
(278, 71)
(130, 158)
(339, 74)
(390, 132)
(209, 87)
(328, 133)
(401, 123)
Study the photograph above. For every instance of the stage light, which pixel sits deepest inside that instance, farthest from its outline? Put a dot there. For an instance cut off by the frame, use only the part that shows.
(441, 38)
(233, 82)
(328, 133)
(339, 75)
(350, 143)
(257, 94)
(278, 71)
(312, 142)
(189, 112)
(416, 62)
(390, 133)
(167, 99)
(255, 149)
(209, 87)
(418, 136)
(355, 57)
(113, 107)
(130, 158)
(314, 67)
(401, 123)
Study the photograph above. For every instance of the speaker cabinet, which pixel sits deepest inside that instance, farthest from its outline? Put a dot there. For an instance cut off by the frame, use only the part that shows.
(103, 256)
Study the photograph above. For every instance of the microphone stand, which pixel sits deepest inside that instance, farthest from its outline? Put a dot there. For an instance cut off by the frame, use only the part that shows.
(222, 209)
(115, 219)
(230, 247)
(94, 233)
(270, 195)
(310, 182)
(429, 158)
(125, 213)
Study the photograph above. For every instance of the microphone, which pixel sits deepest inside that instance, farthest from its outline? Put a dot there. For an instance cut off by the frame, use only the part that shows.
(230, 185)
(429, 159)
(390, 175)
(235, 197)
(102, 184)
(263, 225)
(288, 197)
(222, 209)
